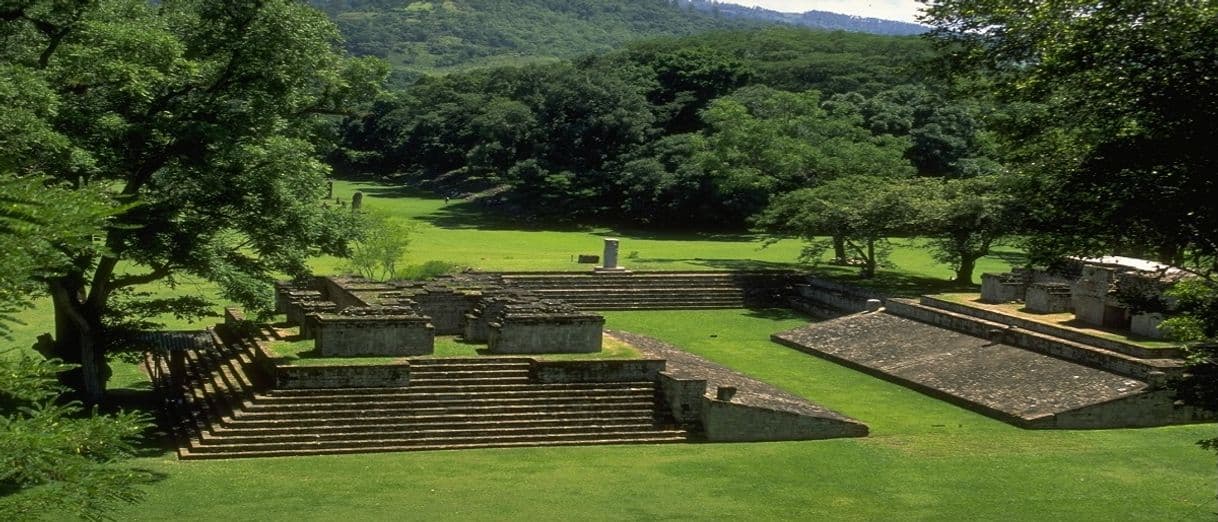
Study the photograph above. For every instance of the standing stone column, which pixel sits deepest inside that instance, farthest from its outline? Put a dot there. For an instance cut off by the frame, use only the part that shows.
(357, 201)
(610, 257)
(329, 189)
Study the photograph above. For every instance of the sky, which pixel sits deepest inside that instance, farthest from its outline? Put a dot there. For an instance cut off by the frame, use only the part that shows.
(903, 10)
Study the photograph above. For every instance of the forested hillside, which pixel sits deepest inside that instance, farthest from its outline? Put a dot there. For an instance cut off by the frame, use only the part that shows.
(813, 19)
(426, 36)
(673, 132)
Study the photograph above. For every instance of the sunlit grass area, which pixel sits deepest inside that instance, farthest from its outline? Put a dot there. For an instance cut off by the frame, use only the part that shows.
(925, 459)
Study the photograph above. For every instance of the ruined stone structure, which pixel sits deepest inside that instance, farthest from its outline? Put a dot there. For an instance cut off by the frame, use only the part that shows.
(1088, 288)
(543, 326)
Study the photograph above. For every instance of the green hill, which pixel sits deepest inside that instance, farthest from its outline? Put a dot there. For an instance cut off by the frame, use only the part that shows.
(418, 37)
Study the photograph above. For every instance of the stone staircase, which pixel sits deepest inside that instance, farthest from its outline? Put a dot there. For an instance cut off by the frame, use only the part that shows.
(226, 410)
(659, 290)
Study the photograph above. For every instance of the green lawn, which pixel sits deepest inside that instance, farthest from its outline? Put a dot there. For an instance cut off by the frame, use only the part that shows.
(925, 459)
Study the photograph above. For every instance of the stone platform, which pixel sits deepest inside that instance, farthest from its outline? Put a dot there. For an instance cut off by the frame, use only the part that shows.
(1016, 385)
(755, 412)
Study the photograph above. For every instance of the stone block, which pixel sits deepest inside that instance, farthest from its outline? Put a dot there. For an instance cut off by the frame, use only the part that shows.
(1048, 298)
(1146, 325)
(576, 333)
(386, 335)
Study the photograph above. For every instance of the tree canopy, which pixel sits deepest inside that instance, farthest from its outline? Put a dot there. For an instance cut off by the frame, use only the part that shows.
(201, 119)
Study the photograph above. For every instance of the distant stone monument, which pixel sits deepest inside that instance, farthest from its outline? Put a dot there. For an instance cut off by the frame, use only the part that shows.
(329, 189)
(357, 201)
(610, 257)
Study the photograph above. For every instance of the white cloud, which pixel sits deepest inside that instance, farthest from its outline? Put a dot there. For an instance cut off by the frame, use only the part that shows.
(903, 10)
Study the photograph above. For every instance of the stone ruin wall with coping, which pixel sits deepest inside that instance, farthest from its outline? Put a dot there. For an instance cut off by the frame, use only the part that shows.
(581, 333)
(377, 335)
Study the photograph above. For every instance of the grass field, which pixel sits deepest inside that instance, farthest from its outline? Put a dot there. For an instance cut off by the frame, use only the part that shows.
(925, 459)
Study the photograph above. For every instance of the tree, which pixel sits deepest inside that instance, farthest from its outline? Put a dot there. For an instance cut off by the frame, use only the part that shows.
(863, 211)
(1115, 133)
(53, 457)
(197, 118)
(964, 218)
(760, 142)
(378, 246)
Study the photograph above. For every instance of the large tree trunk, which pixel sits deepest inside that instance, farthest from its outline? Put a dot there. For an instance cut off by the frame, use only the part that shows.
(839, 251)
(78, 332)
(869, 263)
(964, 272)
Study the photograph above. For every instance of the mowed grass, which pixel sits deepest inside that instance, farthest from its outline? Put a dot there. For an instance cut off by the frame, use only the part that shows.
(458, 232)
(925, 459)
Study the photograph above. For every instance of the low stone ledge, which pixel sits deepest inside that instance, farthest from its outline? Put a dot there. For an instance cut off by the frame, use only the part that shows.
(596, 371)
(344, 376)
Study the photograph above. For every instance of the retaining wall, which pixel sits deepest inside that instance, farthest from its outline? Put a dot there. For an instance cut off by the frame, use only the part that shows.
(596, 371)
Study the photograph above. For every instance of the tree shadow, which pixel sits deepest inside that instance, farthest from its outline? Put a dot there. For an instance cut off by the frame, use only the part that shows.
(156, 440)
(777, 314)
(890, 283)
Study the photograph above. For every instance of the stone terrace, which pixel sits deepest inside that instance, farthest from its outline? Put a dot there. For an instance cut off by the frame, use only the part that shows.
(1017, 385)
(228, 406)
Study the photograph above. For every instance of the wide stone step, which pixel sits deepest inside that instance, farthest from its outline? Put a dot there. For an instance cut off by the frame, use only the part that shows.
(441, 381)
(430, 431)
(654, 438)
(343, 393)
(426, 401)
(537, 438)
(398, 417)
(407, 395)
(673, 306)
(456, 407)
(473, 370)
(469, 423)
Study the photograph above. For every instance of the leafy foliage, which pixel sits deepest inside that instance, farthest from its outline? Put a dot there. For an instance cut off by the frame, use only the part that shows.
(1113, 127)
(378, 246)
(863, 211)
(54, 459)
(202, 122)
(420, 37)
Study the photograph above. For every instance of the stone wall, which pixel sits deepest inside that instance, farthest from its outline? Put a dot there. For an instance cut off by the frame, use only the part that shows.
(581, 333)
(292, 300)
(1048, 298)
(725, 421)
(684, 397)
(346, 376)
(827, 294)
(1151, 408)
(446, 308)
(384, 335)
(596, 371)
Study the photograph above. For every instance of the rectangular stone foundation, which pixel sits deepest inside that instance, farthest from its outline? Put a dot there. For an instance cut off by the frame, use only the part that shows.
(388, 335)
(547, 334)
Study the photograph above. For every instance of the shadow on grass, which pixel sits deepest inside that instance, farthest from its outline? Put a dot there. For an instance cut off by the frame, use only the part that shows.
(776, 314)
(1010, 257)
(892, 284)
(155, 441)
